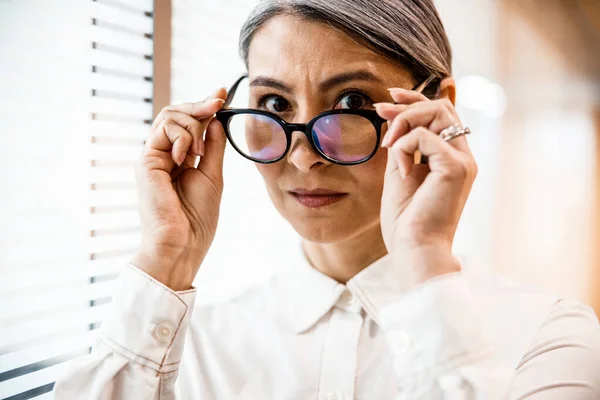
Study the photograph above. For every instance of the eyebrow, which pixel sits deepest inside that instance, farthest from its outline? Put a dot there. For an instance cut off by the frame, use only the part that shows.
(270, 82)
(360, 75)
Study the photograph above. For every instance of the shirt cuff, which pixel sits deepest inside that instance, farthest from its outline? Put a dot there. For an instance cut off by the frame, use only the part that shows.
(147, 321)
(437, 325)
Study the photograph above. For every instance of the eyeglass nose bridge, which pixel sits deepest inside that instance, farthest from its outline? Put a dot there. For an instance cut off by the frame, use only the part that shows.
(291, 128)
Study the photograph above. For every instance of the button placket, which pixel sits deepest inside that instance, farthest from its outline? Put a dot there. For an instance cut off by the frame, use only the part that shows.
(339, 361)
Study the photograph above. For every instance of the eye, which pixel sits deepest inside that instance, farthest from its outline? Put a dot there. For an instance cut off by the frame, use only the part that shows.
(274, 103)
(353, 101)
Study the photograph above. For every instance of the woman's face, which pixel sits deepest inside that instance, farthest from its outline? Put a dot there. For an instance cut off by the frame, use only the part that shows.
(297, 70)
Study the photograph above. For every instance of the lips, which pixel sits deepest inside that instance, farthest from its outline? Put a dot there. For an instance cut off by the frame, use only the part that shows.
(317, 198)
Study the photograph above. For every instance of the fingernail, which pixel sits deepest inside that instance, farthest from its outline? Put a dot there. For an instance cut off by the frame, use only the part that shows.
(181, 159)
(212, 102)
(398, 90)
(217, 91)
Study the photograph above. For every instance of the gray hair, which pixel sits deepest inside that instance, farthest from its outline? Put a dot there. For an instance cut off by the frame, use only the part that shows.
(406, 31)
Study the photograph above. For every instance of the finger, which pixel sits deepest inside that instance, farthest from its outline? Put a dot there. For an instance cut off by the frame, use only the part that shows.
(212, 162)
(181, 143)
(189, 162)
(404, 96)
(442, 156)
(435, 116)
(199, 110)
(399, 161)
(389, 111)
(190, 124)
(172, 138)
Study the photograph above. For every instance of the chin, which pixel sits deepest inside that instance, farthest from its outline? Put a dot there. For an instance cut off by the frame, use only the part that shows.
(325, 230)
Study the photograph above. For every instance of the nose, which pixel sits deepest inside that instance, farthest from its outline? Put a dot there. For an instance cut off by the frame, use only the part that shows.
(302, 155)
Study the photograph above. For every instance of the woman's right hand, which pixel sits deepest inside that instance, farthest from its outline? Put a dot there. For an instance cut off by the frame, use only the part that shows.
(179, 203)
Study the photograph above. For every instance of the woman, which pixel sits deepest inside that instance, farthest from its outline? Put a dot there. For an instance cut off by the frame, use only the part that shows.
(380, 309)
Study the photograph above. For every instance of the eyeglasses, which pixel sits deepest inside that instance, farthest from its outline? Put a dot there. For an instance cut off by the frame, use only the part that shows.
(343, 137)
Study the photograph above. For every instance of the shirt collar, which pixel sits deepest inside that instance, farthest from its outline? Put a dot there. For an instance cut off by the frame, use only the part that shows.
(376, 286)
(311, 294)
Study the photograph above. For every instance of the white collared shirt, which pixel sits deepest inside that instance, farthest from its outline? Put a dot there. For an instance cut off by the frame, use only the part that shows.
(302, 335)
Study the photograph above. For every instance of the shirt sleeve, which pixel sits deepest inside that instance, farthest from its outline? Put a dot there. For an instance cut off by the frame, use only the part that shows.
(443, 348)
(564, 360)
(139, 347)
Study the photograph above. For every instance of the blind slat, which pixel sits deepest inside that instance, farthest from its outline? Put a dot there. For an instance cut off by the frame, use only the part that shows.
(38, 277)
(131, 109)
(124, 86)
(114, 220)
(113, 242)
(111, 198)
(61, 297)
(125, 131)
(114, 15)
(38, 378)
(53, 348)
(35, 331)
(133, 65)
(112, 175)
(136, 44)
(139, 5)
(114, 152)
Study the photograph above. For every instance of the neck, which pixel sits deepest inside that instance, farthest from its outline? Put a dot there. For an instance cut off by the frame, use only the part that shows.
(344, 259)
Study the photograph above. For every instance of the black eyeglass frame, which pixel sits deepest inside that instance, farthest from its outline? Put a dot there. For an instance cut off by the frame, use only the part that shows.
(225, 115)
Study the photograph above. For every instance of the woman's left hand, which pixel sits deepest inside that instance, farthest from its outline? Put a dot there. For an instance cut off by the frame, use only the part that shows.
(422, 204)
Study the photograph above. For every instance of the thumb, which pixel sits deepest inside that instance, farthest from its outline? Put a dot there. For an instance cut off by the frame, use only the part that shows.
(214, 152)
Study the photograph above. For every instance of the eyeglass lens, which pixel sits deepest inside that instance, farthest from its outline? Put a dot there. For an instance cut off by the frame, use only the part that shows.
(342, 137)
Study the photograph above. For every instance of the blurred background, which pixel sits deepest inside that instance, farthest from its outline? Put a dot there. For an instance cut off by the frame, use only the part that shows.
(81, 80)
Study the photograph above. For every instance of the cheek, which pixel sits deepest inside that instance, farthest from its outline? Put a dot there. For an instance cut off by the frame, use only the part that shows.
(374, 172)
(271, 174)
(371, 180)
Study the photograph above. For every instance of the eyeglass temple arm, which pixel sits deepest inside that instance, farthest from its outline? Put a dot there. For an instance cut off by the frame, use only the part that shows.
(423, 85)
(231, 92)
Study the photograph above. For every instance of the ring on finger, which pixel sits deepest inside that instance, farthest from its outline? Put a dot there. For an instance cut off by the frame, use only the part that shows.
(454, 131)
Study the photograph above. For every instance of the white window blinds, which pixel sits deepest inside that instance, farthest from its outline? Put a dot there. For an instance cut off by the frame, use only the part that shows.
(76, 84)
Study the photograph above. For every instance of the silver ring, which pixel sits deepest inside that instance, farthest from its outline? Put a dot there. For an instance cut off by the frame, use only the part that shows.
(454, 131)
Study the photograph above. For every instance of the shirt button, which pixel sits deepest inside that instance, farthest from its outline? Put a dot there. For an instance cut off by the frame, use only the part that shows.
(348, 298)
(163, 332)
(399, 342)
(335, 396)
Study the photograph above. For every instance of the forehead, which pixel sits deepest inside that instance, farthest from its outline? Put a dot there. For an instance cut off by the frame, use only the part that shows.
(290, 47)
